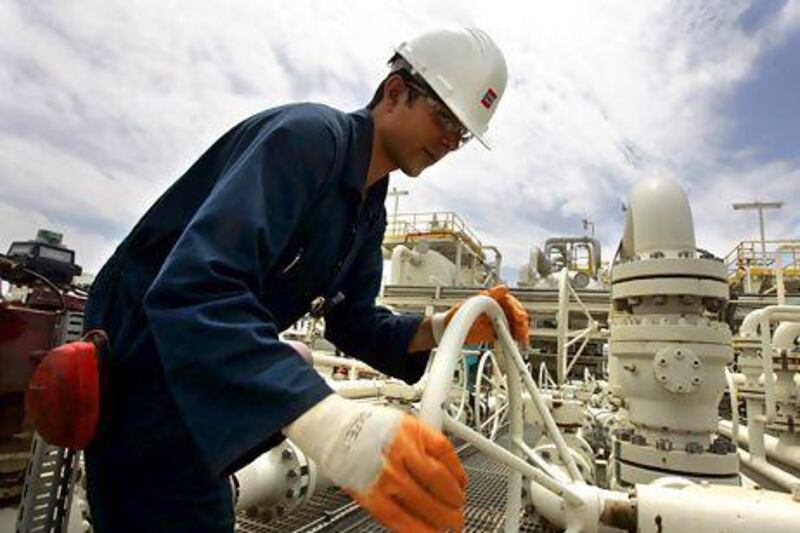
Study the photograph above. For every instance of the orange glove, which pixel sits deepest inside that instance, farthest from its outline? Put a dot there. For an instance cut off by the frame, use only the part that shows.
(421, 486)
(404, 473)
(482, 329)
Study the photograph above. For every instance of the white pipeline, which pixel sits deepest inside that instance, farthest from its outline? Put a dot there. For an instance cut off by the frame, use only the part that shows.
(262, 482)
(560, 489)
(756, 427)
(734, 400)
(512, 354)
(444, 361)
(714, 509)
(785, 334)
(761, 318)
(275, 478)
(516, 431)
(332, 360)
(440, 379)
(772, 313)
(355, 389)
(358, 388)
(788, 455)
(771, 472)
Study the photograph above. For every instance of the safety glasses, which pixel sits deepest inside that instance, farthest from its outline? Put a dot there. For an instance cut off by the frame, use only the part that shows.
(446, 119)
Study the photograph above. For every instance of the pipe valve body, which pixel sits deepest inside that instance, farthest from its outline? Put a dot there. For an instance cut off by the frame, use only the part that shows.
(668, 347)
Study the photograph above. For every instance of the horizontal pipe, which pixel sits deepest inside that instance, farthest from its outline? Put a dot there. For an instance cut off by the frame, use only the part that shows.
(265, 481)
(332, 360)
(262, 482)
(788, 455)
(714, 508)
(761, 318)
(358, 388)
(771, 472)
(610, 508)
(548, 505)
(785, 335)
(771, 313)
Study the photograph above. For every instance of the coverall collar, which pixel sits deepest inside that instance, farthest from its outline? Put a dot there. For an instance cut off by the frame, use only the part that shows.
(360, 151)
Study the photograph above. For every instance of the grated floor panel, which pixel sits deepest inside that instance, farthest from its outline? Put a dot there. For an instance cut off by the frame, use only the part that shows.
(333, 511)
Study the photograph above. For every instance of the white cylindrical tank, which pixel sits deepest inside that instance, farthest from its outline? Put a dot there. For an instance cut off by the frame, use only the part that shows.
(421, 267)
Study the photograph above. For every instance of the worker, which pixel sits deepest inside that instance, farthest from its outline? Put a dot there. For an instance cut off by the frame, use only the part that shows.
(283, 215)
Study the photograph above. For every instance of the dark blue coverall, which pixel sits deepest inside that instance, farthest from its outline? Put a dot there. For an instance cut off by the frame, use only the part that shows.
(273, 215)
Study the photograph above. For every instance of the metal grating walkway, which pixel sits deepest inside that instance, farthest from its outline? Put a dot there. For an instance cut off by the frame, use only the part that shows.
(332, 510)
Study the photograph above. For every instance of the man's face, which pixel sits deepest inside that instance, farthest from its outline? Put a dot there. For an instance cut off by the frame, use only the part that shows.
(421, 130)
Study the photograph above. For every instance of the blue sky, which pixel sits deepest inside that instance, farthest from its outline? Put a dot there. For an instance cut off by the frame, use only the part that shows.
(767, 106)
(104, 103)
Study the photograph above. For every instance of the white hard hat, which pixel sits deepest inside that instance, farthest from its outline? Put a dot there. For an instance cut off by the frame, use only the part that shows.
(465, 68)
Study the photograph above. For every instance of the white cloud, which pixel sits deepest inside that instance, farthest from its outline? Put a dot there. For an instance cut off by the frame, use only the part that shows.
(105, 103)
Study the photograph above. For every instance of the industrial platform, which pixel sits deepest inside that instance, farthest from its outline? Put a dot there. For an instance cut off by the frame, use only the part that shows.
(332, 510)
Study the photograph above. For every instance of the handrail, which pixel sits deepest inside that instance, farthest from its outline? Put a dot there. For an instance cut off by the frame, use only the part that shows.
(429, 222)
(749, 256)
(779, 268)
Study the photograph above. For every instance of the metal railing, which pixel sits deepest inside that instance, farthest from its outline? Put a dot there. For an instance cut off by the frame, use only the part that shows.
(749, 259)
(423, 223)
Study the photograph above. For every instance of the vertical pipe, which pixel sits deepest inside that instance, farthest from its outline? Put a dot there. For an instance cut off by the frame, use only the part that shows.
(458, 265)
(562, 322)
(516, 427)
(766, 360)
(734, 400)
(512, 354)
(444, 363)
(779, 277)
(755, 428)
(748, 279)
(763, 241)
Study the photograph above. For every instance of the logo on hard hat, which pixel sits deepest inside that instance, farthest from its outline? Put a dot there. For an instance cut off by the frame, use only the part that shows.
(488, 98)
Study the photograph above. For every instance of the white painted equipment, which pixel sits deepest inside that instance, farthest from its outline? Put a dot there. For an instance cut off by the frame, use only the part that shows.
(770, 385)
(438, 250)
(276, 482)
(562, 494)
(579, 256)
(422, 266)
(668, 346)
(668, 468)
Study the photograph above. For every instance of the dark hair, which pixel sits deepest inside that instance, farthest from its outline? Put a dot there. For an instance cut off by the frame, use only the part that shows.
(400, 66)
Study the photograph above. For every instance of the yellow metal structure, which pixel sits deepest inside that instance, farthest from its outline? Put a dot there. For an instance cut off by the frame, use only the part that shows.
(751, 270)
(444, 231)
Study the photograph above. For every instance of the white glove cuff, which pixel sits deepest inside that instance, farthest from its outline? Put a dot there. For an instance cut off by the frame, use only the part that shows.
(438, 326)
(346, 439)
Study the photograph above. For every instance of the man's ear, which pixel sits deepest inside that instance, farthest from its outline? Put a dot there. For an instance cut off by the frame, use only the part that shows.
(393, 91)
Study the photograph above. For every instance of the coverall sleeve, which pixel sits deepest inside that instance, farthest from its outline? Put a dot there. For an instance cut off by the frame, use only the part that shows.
(370, 332)
(235, 384)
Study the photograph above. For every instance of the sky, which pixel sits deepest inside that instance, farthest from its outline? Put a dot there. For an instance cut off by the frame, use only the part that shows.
(104, 103)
